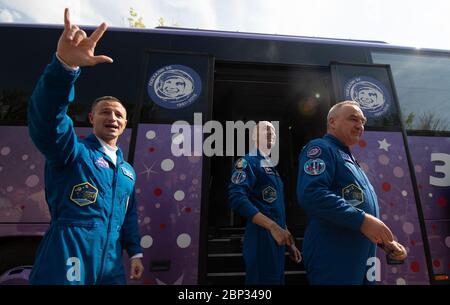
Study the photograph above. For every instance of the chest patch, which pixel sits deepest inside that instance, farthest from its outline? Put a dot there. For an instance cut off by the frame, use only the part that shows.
(269, 194)
(127, 172)
(102, 163)
(314, 167)
(238, 177)
(84, 194)
(353, 194)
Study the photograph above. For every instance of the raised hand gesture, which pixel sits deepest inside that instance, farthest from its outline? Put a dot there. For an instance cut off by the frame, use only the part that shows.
(76, 49)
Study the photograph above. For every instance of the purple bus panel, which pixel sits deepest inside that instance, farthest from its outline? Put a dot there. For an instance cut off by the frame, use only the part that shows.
(439, 241)
(22, 195)
(431, 158)
(382, 156)
(168, 192)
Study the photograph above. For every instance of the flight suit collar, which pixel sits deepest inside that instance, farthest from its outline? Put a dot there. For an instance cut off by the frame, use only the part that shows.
(93, 142)
(337, 142)
(257, 153)
(341, 145)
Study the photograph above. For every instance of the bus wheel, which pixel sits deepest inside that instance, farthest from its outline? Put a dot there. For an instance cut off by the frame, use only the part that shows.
(16, 260)
(16, 276)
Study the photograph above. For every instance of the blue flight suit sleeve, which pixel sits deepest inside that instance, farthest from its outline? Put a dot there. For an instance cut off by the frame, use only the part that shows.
(315, 191)
(129, 233)
(242, 181)
(49, 126)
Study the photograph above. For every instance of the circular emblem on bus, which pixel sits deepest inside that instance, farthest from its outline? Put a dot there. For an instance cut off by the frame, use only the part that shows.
(371, 94)
(174, 86)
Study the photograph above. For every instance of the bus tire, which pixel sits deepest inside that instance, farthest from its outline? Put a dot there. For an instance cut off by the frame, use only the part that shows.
(16, 259)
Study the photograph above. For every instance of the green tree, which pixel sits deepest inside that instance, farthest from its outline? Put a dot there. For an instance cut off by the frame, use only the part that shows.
(134, 20)
(409, 120)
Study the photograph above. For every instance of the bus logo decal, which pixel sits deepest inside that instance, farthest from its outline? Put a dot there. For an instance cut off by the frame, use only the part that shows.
(174, 86)
(372, 96)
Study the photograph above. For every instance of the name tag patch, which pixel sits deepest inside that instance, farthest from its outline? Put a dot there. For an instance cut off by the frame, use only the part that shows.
(270, 171)
(127, 173)
(345, 156)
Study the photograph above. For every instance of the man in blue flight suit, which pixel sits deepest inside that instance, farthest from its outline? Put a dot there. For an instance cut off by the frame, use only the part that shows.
(89, 187)
(343, 227)
(256, 192)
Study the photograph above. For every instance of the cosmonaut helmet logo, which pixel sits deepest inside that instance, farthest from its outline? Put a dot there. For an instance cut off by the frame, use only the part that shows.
(372, 96)
(174, 86)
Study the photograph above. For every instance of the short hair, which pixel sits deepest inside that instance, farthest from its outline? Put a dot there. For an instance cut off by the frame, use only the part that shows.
(104, 98)
(335, 109)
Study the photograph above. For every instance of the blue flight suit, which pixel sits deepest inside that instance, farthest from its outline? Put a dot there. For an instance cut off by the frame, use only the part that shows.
(335, 193)
(254, 189)
(91, 201)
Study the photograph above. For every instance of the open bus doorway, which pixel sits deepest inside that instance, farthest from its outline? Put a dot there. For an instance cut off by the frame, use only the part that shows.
(299, 99)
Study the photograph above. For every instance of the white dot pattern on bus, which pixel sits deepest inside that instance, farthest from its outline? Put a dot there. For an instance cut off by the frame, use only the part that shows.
(383, 159)
(32, 181)
(146, 241)
(167, 165)
(179, 195)
(398, 172)
(5, 151)
(408, 228)
(150, 134)
(447, 241)
(183, 240)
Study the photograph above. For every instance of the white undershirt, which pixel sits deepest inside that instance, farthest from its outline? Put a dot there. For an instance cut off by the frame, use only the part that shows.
(110, 151)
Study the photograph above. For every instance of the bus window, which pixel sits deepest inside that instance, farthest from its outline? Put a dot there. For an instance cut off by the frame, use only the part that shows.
(422, 87)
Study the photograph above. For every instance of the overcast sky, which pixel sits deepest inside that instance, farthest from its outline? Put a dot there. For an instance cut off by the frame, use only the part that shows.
(414, 23)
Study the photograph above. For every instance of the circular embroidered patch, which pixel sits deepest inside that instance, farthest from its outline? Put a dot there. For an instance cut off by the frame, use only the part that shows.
(314, 152)
(314, 167)
(240, 164)
(238, 177)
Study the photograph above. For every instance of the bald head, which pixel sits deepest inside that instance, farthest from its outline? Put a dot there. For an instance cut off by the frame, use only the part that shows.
(264, 136)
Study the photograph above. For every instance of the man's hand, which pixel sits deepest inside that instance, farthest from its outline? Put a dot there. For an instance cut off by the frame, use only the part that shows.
(136, 269)
(76, 49)
(281, 236)
(294, 253)
(376, 230)
(395, 250)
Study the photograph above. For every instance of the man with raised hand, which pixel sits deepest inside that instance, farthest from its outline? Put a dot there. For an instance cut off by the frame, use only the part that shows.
(89, 186)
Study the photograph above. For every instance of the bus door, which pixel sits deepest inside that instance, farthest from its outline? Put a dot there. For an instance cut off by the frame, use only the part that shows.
(383, 154)
(295, 98)
(169, 163)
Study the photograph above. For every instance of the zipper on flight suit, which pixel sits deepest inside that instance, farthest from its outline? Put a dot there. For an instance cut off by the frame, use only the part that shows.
(105, 249)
